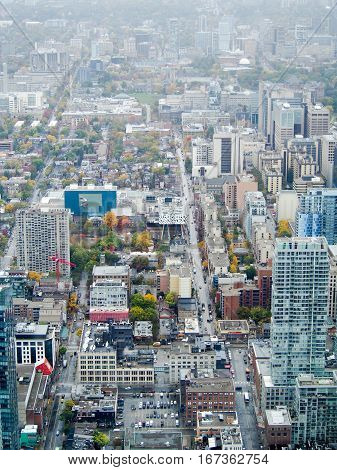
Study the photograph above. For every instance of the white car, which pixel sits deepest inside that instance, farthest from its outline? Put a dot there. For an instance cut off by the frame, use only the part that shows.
(172, 415)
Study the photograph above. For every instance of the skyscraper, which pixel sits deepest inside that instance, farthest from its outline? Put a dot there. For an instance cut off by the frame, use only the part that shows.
(8, 394)
(317, 120)
(299, 308)
(317, 215)
(40, 235)
(328, 157)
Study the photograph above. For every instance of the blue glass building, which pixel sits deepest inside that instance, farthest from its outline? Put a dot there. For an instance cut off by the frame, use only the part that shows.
(8, 392)
(317, 215)
(88, 201)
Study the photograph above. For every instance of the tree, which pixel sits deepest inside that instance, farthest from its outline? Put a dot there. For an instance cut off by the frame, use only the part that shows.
(34, 276)
(110, 220)
(150, 297)
(205, 264)
(283, 229)
(100, 439)
(171, 298)
(62, 350)
(250, 272)
(139, 263)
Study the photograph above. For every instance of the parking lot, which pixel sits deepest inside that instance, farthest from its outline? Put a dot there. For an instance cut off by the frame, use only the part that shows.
(149, 410)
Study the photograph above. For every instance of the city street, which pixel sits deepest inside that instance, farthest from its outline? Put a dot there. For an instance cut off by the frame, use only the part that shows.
(245, 411)
(201, 288)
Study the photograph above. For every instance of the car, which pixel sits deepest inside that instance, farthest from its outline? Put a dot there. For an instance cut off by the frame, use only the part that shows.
(162, 424)
(147, 424)
(57, 433)
(133, 395)
(172, 415)
(151, 424)
(136, 425)
(140, 406)
(143, 424)
(171, 402)
(175, 402)
(165, 416)
(177, 415)
(127, 388)
(140, 424)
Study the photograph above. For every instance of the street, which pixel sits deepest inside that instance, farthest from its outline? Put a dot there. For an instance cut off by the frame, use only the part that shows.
(202, 289)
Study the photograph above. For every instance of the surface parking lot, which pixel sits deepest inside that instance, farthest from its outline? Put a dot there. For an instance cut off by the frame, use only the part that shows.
(153, 410)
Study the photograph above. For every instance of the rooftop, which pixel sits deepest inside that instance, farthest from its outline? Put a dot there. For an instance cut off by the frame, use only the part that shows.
(110, 270)
(214, 384)
(278, 417)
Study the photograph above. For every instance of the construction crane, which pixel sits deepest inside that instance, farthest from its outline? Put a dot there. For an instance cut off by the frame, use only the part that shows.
(59, 261)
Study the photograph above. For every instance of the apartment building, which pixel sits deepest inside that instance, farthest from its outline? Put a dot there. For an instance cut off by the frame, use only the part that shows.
(40, 235)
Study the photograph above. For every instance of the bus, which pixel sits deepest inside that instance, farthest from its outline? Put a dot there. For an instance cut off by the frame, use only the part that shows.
(246, 397)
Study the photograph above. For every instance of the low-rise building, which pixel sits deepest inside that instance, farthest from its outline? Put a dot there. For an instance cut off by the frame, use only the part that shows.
(278, 428)
(216, 395)
(98, 361)
(119, 273)
(34, 342)
(186, 356)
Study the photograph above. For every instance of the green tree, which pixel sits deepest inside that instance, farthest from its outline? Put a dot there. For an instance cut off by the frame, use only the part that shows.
(171, 298)
(62, 350)
(139, 263)
(250, 272)
(100, 439)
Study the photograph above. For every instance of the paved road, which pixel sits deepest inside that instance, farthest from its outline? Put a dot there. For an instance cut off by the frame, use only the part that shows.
(201, 288)
(246, 412)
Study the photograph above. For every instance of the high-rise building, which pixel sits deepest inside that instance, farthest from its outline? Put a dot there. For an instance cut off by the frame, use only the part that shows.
(288, 121)
(315, 410)
(8, 394)
(255, 211)
(202, 156)
(299, 308)
(226, 29)
(317, 120)
(40, 235)
(317, 215)
(226, 152)
(328, 155)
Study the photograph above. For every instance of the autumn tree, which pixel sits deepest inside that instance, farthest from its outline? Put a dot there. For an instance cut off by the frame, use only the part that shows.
(110, 220)
(34, 276)
(283, 229)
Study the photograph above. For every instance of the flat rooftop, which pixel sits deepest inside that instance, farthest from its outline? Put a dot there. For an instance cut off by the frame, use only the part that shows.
(110, 270)
(278, 417)
(212, 384)
(233, 325)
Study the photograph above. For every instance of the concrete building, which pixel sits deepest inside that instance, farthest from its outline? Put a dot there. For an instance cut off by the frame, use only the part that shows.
(255, 211)
(108, 300)
(288, 121)
(41, 235)
(303, 184)
(226, 153)
(328, 155)
(273, 180)
(181, 282)
(97, 362)
(234, 190)
(34, 343)
(202, 157)
(185, 356)
(318, 120)
(119, 273)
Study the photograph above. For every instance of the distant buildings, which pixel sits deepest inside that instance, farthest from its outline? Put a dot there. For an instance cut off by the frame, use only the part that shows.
(41, 235)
